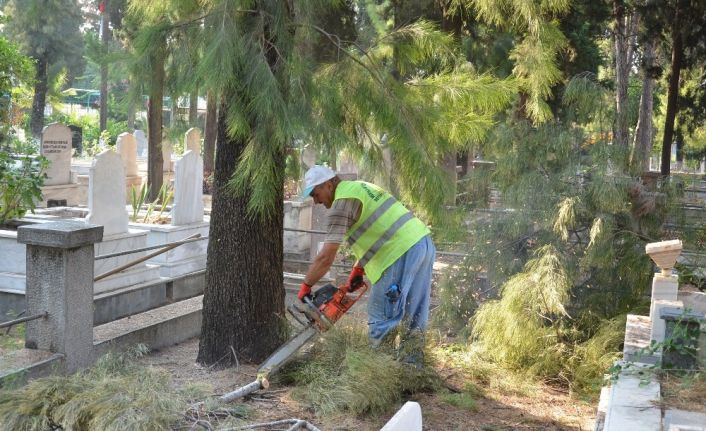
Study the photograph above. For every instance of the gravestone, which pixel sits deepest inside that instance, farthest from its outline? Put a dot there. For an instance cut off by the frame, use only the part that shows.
(188, 190)
(166, 156)
(56, 147)
(106, 193)
(192, 141)
(141, 140)
(127, 147)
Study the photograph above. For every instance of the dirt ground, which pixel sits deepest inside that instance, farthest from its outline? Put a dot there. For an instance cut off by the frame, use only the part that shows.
(548, 409)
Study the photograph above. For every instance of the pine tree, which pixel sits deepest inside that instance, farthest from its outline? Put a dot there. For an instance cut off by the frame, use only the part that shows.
(48, 32)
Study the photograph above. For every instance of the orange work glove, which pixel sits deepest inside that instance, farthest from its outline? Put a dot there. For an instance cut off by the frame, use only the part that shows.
(304, 290)
(355, 279)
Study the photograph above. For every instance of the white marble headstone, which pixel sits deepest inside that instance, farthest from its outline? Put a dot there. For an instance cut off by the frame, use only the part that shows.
(166, 156)
(188, 190)
(141, 143)
(308, 157)
(56, 147)
(106, 193)
(192, 141)
(127, 148)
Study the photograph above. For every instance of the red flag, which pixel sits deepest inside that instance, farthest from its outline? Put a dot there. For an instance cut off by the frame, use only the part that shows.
(101, 7)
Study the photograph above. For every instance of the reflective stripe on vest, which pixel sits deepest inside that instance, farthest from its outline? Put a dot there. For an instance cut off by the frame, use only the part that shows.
(385, 229)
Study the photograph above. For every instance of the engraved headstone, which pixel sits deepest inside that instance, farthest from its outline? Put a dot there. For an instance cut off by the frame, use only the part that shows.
(192, 141)
(56, 147)
(127, 148)
(141, 143)
(188, 190)
(106, 193)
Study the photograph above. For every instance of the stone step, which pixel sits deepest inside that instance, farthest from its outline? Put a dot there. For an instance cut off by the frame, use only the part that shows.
(634, 401)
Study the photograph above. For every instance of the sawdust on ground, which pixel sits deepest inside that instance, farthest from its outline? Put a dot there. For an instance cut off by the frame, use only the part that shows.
(549, 409)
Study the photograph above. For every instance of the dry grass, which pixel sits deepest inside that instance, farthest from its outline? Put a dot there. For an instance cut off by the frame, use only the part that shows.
(342, 373)
(684, 392)
(116, 394)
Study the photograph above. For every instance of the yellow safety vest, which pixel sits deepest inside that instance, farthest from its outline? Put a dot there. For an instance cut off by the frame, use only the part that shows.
(385, 229)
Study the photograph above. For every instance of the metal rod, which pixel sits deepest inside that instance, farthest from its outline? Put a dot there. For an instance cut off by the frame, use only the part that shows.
(291, 229)
(338, 265)
(153, 247)
(23, 319)
(144, 258)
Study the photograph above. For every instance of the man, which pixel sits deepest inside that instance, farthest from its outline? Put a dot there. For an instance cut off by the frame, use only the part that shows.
(392, 246)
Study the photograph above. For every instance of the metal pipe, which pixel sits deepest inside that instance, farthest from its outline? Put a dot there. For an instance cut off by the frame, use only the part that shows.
(23, 319)
(144, 258)
(153, 247)
(291, 229)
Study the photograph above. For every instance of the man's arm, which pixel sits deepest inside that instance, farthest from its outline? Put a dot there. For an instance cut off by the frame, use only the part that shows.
(321, 263)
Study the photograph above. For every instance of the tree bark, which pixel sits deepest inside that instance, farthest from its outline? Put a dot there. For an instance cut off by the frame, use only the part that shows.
(105, 38)
(644, 132)
(243, 305)
(155, 162)
(672, 92)
(209, 140)
(620, 37)
(39, 100)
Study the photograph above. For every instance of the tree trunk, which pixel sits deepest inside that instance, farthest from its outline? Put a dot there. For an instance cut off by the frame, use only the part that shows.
(105, 38)
(620, 37)
(155, 163)
(672, 93)
(39, 100)
(642, 145)
(243, 305)
(209, 140)
(194, 108)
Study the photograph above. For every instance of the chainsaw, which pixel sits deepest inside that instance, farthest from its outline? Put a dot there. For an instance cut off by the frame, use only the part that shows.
(317, 314)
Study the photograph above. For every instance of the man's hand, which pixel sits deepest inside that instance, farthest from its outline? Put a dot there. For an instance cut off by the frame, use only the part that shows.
(355, 279)
(304, 290)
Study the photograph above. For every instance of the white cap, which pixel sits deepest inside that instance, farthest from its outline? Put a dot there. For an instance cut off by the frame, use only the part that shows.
(314, 176)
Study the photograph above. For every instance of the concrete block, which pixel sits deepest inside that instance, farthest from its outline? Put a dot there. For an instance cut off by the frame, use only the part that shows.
(633, 403)
(680, 420)
(658, 326)
(663, 288)
(128, 301)
(63, 234)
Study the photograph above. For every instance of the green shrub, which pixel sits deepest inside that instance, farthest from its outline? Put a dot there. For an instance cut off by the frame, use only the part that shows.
(21, 179)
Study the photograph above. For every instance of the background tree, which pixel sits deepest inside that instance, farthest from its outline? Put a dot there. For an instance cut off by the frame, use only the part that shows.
(48, 32)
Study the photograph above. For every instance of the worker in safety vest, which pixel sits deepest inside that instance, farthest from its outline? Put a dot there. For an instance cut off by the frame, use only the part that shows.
(392, 246)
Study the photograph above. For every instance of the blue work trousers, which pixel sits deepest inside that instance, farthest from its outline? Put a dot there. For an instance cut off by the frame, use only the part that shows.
(402, 292)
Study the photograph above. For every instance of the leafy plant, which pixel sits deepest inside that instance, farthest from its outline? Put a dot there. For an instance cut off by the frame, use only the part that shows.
(21, 179)
(137, 199)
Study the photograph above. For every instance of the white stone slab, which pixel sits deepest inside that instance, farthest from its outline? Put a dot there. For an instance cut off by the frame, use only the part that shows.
(659, 326)
(56, 147)
(188, 190)
(166, 156)
(192, 140)
(106, 193)
(634, 403)
(141, 141)
(664, 287)
(408, 418)
(680, 420)
(127, 148)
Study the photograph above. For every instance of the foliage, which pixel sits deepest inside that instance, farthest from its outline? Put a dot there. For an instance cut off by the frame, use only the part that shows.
(343, 373)
(115, 394)
(137, 200)
(21, 179)
(13, 338)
